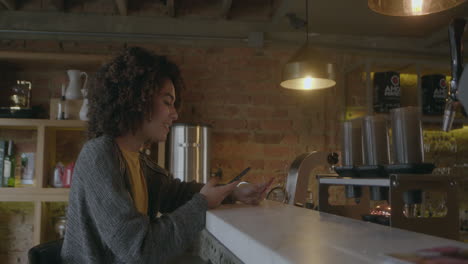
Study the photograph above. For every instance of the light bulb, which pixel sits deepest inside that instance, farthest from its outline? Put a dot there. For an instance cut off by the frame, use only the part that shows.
(308, 83)
(416, 6)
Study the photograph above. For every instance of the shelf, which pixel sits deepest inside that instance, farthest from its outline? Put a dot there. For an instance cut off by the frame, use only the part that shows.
(31, 123)
(53, 60)
(435, 123)
(53, 56)
(354, 181)
(438, 119)
(32, 194)
(420, 66)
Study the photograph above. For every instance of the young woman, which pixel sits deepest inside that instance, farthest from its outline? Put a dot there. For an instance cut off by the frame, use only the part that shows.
(117, 191)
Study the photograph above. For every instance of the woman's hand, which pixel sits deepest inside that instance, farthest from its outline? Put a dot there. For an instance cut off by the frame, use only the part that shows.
(216, 194)
(251, 193)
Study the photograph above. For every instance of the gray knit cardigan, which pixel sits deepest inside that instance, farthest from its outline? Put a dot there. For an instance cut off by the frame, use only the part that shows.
(103, 224)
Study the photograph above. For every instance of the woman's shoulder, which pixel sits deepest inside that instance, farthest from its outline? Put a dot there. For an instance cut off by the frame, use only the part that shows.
(102, 144)
(99, 150)
(96, 154)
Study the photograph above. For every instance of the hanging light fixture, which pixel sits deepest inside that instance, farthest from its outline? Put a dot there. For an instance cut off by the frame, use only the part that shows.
(308, 69)
(411, 7)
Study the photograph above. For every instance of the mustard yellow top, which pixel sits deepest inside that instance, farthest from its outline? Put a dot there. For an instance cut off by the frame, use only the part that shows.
(137, 181)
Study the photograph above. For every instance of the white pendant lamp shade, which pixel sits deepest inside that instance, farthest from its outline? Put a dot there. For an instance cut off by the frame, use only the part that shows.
(411, 7)
(308, 69)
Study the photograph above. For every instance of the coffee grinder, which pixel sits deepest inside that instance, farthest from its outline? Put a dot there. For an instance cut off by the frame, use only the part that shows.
(16, 100)
(402, 179)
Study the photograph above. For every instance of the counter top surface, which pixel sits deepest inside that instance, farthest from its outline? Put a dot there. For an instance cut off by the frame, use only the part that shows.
(278, 233)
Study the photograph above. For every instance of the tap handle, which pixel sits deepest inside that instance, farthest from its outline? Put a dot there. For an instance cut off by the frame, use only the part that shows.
(449, 114)
(456, 29)
(332, 158)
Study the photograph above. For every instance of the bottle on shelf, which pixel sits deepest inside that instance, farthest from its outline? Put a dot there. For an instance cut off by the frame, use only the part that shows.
(56, 180)
(26, 177)
(9, 166)
(67, 175)
(62, 107)
(60, 225)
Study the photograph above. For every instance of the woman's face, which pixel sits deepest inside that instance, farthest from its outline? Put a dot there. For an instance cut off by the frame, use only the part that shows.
(164, 113)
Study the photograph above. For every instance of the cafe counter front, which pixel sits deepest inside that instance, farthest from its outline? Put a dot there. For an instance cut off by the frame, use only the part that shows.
(279, 233)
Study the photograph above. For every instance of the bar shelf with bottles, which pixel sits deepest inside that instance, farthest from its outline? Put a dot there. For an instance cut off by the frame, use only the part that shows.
(51, 141)
(45, 138)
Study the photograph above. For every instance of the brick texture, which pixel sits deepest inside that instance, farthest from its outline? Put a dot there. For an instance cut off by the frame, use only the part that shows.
(16, 227)
(234, 89)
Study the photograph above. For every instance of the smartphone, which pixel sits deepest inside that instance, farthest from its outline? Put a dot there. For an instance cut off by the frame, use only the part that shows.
(238, 177)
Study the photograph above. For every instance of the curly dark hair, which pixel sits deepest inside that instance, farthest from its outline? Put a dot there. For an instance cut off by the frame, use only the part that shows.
(122, 96)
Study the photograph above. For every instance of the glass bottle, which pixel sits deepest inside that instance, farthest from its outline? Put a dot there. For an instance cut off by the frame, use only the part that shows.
(62, 107)
(61, 226)
(9, 167)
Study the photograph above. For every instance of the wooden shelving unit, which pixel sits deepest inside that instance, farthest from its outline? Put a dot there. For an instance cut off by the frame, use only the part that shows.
(40, 193)
(50, 137)
(34, 194)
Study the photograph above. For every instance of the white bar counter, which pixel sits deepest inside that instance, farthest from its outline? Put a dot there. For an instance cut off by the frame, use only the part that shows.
(278, 233)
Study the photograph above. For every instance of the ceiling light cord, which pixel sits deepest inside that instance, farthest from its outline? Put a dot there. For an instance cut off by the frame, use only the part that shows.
(307, 21)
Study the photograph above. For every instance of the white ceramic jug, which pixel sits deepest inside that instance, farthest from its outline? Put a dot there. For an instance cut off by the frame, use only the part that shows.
(74, 89)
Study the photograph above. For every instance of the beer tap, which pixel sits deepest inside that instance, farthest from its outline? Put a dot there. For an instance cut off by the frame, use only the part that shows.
(458, 93)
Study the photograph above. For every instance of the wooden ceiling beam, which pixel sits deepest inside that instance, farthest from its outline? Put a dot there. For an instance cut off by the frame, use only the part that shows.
(272, 6)
(57, 4)
(9, 4)
(282, 9)
(122, 6)
(226, 8)
(170, 4)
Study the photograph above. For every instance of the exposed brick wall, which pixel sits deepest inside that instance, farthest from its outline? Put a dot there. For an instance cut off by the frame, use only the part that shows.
(16, 229)
(235, 89)
(255, 122)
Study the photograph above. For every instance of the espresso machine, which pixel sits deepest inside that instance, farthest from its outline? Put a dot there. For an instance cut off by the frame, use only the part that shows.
(373, 171)
(406, 181)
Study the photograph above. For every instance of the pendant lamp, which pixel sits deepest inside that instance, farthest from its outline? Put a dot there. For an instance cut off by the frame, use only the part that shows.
(411, 7)
(309, 68)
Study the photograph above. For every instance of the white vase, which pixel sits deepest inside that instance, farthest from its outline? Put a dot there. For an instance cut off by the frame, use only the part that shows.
(84, 106)
(73, 89)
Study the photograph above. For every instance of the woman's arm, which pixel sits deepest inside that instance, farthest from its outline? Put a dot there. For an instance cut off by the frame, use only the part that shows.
(176, 193)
